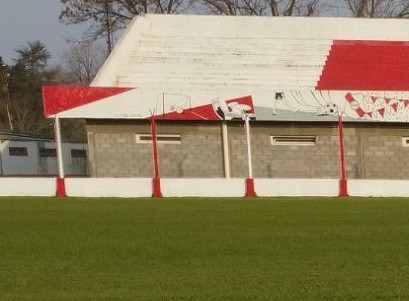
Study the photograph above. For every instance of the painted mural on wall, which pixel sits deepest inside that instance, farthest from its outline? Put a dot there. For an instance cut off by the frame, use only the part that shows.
(218, 109)
(330, 105)
(292, 105)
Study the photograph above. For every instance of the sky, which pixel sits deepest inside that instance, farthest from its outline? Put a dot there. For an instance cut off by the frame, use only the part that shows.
(22, 21)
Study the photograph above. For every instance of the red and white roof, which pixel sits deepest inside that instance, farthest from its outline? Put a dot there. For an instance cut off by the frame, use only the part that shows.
(189, 61)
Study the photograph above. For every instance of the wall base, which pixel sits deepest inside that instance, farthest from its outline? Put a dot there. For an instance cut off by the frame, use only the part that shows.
(157, 192)
(343, 188)
(250, 191)
(199, 187)
(61, 192)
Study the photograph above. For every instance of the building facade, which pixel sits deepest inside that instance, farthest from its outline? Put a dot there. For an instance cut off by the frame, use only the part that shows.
(295, 78)
(24, 155)
(279, 150)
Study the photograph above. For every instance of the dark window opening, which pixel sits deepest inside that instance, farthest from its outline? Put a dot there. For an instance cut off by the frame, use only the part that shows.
(18, 151)
(172, 139)
(78, 153)
(293, 140)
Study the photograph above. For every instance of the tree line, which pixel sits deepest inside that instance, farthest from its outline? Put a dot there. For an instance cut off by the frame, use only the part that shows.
(107, 16)
(21, 109)
(21, 82)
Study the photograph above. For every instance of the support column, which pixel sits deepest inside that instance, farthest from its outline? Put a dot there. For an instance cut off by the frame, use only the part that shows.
(226, 154)
(61, 192)
(250, 190)
(343, 184)
(157, 192)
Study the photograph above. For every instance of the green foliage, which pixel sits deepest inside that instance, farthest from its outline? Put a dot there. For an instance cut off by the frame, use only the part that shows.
(4, 95)
(204, 249)
(26, 78)
(21, 106)
(33, 57)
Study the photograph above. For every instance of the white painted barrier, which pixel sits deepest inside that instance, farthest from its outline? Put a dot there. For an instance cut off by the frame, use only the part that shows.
(297, 187)
(203, 187)
(142, 187)
(109, 187)
(28, 186)
(379, 188)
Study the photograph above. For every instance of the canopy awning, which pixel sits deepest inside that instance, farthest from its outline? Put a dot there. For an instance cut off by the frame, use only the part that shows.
(292, 105)
(134, 103)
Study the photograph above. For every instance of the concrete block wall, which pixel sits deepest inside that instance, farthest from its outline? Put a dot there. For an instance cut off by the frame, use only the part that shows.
(373, 151)
(114, 151)
(377, 152)
(198, 155)
(285, 161)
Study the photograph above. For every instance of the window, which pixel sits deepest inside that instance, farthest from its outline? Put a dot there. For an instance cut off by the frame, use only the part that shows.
(405, 141)
(165, 139)
(18, 151)
(78, 153)
(48, 152)
(293, 140)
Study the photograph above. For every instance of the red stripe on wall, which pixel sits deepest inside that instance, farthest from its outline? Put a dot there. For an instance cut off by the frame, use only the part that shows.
(366, 65)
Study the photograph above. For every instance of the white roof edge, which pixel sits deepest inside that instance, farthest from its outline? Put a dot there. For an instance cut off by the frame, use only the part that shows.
(246, 26)
(312, 19)
(106, 75)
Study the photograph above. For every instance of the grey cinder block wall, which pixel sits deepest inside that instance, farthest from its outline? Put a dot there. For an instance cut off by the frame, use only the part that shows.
(373, 151)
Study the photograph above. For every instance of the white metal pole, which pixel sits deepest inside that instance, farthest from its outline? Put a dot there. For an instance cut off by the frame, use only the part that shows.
(60, 163)
(250, 164)
(226, 155)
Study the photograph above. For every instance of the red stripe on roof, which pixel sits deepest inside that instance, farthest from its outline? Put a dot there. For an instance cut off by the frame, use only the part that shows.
(366, 65)
(57, 99)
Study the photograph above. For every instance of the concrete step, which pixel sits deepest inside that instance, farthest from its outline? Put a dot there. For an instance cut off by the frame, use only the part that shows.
(217, 81)
(244, 88)
(218, 58)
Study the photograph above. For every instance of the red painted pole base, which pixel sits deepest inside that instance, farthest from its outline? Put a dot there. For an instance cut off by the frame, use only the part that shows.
(343, 188)
(250, 191)
(157, 192)
(61, 193)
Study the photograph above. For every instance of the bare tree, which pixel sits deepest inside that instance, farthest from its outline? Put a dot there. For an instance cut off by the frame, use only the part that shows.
(107, 16)
(82, 62)
(263, 7)
(378, 8)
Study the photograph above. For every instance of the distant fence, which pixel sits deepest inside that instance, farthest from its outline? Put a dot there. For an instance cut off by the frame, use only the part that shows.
(142, 187)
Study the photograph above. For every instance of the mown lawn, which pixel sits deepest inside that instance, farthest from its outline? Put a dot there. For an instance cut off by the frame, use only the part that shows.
(204, 249)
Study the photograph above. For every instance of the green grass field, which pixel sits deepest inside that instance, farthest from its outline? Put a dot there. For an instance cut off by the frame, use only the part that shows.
(204, 249)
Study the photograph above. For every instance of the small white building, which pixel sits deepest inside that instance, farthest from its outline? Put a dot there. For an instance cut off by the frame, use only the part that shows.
(25, 155)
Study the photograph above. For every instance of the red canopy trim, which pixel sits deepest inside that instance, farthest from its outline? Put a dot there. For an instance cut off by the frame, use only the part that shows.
(57, 99)
(233, 109)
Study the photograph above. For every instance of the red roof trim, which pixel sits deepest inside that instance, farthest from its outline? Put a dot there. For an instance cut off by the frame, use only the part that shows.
(57, 99)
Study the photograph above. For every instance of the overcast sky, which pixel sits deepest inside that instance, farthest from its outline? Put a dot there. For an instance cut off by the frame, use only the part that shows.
(30, 20)
(22, 21)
